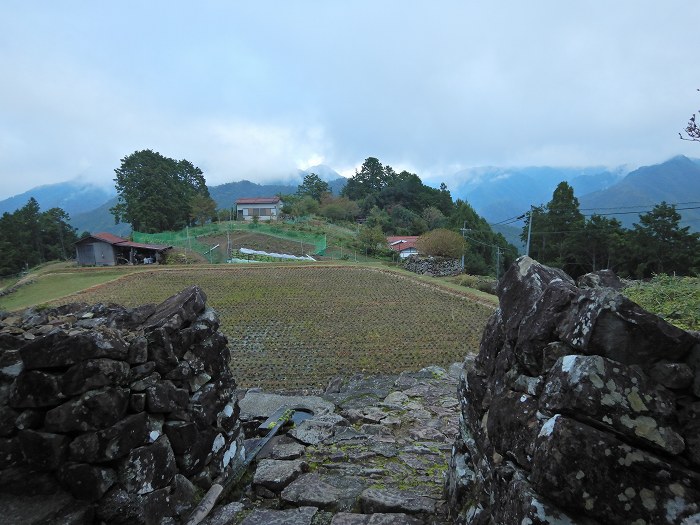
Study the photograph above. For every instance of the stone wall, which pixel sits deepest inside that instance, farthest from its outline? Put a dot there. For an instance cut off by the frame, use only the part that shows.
(581, 407)
(435, 266)
(127, 409)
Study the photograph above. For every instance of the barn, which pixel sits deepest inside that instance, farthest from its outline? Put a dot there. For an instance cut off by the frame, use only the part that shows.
(105, 249)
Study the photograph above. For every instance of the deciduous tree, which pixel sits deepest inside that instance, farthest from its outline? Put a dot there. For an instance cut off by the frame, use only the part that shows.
(442, 243)
(155, 192)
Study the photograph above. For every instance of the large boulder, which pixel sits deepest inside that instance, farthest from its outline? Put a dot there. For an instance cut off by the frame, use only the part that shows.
(581, 407)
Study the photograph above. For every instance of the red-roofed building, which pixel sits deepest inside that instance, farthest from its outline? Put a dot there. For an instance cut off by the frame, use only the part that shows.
(264, 208)
(403, 245)
(105, 249)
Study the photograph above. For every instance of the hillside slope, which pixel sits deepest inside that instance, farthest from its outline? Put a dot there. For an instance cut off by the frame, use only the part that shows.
(674, 181)
(73, 197)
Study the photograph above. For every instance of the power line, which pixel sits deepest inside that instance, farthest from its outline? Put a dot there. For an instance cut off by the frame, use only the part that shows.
(506, 222)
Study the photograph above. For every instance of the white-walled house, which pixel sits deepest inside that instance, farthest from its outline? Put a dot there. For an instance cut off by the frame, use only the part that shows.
(404, 246)
(264, 208)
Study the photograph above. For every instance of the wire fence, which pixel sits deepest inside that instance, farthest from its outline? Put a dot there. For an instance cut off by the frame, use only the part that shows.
(191, 238)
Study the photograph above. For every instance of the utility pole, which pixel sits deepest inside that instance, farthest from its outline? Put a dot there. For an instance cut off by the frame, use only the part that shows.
(498, 262)
(464, 231)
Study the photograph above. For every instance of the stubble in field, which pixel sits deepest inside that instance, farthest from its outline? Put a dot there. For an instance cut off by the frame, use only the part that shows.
(294, 328)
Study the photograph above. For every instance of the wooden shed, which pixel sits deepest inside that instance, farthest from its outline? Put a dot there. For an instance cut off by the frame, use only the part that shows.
(105, 249)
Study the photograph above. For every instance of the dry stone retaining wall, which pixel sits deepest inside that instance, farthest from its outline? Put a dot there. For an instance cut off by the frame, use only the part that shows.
(127, 409)
(581, 408)
(435, 266)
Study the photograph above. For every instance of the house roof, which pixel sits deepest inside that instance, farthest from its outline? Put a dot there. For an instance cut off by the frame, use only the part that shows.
(401, 243)
(258, 200)
(123, 243)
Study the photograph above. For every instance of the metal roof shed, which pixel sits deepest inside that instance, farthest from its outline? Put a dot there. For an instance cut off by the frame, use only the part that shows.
(105, 249)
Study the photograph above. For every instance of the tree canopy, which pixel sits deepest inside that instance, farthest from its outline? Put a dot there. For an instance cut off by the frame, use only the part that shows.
(29, 237)
(314, 187)
(155, 193)
(561, 236)
(442, 243)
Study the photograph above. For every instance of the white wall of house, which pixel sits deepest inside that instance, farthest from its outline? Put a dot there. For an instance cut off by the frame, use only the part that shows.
(263, 212)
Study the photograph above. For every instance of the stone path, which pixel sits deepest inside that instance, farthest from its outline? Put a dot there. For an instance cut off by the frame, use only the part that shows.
(375, 453)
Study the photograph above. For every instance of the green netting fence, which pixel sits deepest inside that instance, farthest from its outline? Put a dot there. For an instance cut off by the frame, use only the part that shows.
(190, 238)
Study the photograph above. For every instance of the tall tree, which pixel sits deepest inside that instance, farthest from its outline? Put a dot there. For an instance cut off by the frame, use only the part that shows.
(369, 180)
(566, 224)
(314, 187)
(603, 245)
(29, 237)
(662, 245)
(155, 192)
(203, 209)
(557, 230)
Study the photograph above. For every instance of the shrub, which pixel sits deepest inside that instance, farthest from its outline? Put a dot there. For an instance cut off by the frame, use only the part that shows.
(676, 299)
(442, 243)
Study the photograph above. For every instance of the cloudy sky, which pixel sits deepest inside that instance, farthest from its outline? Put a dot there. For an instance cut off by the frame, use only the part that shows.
(254, 90)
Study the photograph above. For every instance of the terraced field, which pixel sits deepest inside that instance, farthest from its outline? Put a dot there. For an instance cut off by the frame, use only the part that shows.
(294, 328)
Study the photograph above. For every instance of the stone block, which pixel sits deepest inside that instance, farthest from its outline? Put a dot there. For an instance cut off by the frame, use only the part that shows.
(616, 396)
(36, 388)
(43, 450)
(111, 443)
(7, 421)
(138, 351)
(58, 349)
(148, 468)
(30, 418)
(595, 474)
(179, 310)
(93, 410)
(87, 482)
(275, 475)
(93, 374)
(605, 323)
(182, 435)
(11, 364)
(164, 397)
(10, 452)
(676, 376)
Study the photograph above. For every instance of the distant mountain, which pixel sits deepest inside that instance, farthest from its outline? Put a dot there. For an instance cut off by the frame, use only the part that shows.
(500, 193)
(73, 197)
(100, 220)
(334, 179)
(225, 195)
(675, 181)
(324, 172)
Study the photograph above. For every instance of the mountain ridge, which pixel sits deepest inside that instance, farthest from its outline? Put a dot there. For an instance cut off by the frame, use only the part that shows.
(495, 193)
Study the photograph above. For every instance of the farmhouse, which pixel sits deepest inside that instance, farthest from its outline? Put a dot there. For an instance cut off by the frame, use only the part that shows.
(264, 208)
(105, 249)
(405, 245)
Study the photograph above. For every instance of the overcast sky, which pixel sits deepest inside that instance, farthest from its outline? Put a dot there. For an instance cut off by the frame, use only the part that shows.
(254, 90)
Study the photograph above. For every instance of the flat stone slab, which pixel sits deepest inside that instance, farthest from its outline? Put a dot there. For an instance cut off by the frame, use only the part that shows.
(394, 500)
(317, 429)
(310, 489)
(275, 474)
(300, 516)
(224, 515)
(348, 518)
(259, 405)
